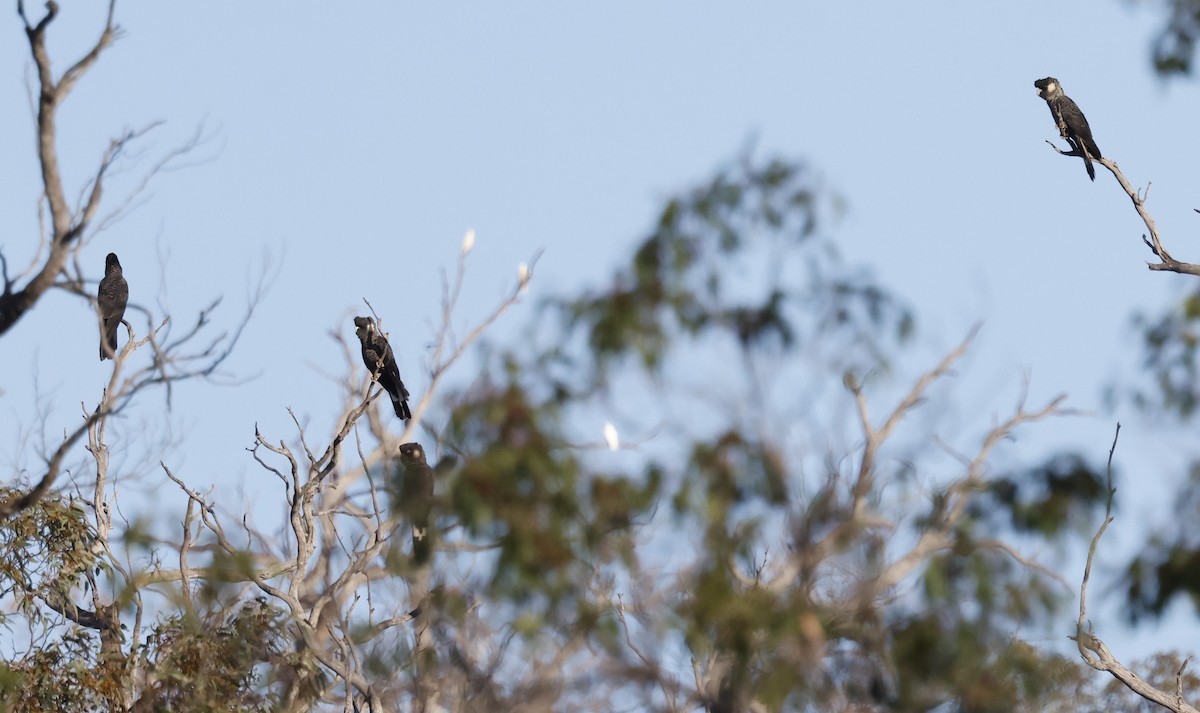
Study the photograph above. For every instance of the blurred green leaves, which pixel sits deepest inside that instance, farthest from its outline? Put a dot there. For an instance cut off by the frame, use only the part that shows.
(523, 488)
(716, 262)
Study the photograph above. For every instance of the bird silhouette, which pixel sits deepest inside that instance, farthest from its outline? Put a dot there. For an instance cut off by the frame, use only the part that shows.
(381, 363)
(416, 498)
(111, 299)
(1072, 125)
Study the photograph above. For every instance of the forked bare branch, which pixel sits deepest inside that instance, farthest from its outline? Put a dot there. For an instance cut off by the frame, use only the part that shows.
(1094, 651)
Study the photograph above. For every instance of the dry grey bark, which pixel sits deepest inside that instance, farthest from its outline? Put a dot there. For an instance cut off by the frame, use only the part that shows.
(1166, 262)
(1093, 651)
(67, 225)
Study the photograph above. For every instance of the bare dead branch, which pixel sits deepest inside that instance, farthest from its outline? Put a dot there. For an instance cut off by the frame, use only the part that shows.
(75, 71)
(167, 162)
(874, 438)
(325, 570)
(1179, 682)
(1108, 518)
(666, 684)
(938, 535)
(1093, 651)
(66, 228)
(13, 505)
(447, 351)
(1166, 262)
(1023, 560)
(66, 235)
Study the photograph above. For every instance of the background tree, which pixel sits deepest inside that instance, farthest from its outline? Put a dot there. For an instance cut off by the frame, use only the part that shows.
(1175, 47)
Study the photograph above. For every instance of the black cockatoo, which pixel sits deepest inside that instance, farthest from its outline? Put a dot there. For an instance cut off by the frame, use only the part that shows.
(381, 363)
(111, 299)
(416, 498)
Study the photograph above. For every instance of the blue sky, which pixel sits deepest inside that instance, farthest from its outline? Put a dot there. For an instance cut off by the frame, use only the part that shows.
(356, 148)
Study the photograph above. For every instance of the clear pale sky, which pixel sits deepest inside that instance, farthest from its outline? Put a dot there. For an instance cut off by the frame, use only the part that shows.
(355, 148)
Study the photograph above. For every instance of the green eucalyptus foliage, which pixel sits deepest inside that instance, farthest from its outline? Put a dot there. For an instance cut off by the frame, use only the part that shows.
(1165, 568)
(1174, 49)
(524, 488)
(689, 276)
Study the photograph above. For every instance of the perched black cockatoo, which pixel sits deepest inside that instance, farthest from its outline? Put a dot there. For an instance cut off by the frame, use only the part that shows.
(381, 363)
(111, 299)
(1072, 125)
(416, 498)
